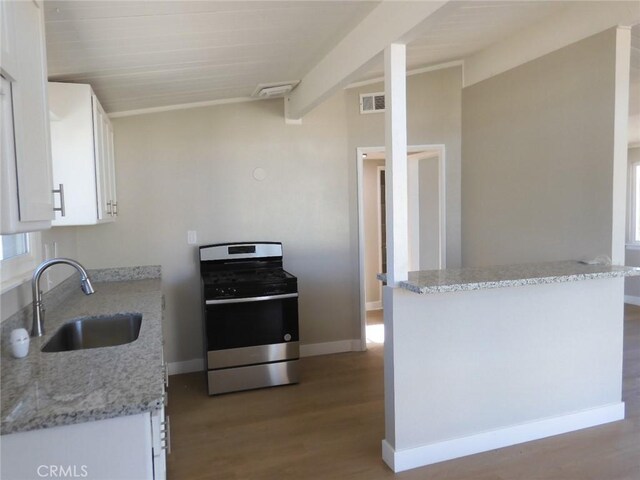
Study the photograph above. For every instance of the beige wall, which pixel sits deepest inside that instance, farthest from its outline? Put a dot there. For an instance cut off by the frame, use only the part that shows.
(428, 209)
(192, 170)
(429, 201)
(538, 158)
(433, 118)
(371, 230)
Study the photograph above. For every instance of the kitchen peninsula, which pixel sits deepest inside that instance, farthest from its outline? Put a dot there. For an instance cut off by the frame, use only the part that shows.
(483, 358)
(94, 412)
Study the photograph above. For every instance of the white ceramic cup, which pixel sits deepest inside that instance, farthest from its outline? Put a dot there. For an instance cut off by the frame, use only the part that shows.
(19, 341)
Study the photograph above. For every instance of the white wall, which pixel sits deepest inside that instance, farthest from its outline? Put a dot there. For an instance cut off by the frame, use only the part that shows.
(64, 239)
(538, 158)
(634, 109)
(632, 257)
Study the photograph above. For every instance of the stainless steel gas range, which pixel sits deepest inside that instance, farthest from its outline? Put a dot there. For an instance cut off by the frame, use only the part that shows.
(250, 317)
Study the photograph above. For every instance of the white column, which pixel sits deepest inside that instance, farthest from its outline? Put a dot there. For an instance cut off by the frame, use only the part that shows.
(396, 162)
(620, 140)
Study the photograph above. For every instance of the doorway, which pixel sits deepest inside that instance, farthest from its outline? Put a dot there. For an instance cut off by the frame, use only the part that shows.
(426, 224)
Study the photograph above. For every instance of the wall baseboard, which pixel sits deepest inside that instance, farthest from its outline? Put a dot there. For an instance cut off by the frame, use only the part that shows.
(341, 346)
(632, 299)
(373, 305)
(310, 350)
(400, 460)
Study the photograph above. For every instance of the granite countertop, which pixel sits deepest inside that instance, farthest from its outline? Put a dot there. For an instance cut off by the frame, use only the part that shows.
(49, 389)
(479, 278)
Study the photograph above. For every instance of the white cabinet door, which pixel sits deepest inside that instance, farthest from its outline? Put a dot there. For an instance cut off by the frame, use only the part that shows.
(111, 162)
(101, 138)
(161, 442)
(27, 198)
(114, 449)
(74, 166)
(83, 159)
(106, 163)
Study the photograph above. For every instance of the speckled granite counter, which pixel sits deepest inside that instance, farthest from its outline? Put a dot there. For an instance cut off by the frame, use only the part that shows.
(49, 389)
(463, 279)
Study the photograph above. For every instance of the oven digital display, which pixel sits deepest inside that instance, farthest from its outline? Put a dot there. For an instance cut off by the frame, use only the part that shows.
(242, 249)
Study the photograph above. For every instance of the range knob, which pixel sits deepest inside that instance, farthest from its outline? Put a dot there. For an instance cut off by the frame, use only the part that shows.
(287, 337)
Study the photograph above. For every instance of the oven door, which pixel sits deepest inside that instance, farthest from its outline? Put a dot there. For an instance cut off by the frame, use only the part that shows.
(244, 331)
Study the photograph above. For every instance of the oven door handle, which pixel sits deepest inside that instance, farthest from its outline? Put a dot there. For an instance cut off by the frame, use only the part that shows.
(252, 299)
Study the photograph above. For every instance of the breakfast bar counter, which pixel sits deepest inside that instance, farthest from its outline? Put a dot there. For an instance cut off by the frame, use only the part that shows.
(479, 278)
(483, 358)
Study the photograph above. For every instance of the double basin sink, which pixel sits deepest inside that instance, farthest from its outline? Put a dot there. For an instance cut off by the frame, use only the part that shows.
(95, 332)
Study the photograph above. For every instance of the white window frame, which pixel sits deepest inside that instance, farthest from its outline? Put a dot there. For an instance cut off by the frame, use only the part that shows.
(16, 270)
(633, 196)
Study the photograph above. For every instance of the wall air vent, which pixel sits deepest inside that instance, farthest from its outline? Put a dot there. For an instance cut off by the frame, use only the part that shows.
(371, 102)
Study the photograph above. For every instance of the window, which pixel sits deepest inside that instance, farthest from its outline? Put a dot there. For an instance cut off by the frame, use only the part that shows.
(14, 245)
(19, 255)
(634, 205)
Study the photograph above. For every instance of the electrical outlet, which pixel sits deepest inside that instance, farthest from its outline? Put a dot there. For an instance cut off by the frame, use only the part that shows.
(192, 237)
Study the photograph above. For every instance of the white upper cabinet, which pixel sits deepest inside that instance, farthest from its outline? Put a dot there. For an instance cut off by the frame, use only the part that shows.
(83, 156)
(26, 199)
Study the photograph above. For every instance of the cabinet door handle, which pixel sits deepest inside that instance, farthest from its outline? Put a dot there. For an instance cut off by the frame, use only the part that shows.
(109, 210)
(115, 209)
(61, 208)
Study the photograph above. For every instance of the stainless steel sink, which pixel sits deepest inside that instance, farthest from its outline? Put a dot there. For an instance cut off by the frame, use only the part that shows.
(95, 332)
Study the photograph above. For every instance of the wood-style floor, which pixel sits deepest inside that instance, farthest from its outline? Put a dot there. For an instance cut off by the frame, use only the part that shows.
(331, 424)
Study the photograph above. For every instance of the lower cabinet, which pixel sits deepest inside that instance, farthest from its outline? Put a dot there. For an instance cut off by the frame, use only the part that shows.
(121, 448)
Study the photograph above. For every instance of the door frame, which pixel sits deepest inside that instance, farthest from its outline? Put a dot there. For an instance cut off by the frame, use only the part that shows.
(379, 170)
(441, 152)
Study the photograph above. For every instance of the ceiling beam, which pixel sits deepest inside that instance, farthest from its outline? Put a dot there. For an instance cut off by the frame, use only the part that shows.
(389, 22)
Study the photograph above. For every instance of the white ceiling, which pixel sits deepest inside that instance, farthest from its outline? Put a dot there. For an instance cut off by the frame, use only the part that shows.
(141, 54)
(470, 26)
(149, 54)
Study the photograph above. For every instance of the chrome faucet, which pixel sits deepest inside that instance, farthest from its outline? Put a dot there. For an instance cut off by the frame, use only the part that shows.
(38, 312)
